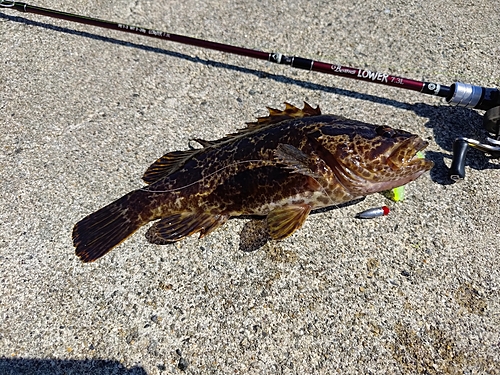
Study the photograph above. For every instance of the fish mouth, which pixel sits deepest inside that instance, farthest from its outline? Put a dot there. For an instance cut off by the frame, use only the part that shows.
(406, 155)
(403, 163)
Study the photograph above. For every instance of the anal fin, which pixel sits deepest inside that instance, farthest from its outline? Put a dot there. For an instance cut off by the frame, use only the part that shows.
(285, 220)
(180, 225)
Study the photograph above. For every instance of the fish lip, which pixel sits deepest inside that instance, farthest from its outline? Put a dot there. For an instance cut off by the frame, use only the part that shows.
(405, 157)
(419, 164)
(415, 143)
(411, 167)
(419, 144)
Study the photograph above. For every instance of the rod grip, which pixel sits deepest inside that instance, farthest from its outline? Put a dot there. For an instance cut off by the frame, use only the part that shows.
(457, 168)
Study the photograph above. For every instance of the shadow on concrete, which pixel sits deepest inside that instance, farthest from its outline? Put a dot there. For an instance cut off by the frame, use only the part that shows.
(261, 74)
(29, 366)
(447, 122)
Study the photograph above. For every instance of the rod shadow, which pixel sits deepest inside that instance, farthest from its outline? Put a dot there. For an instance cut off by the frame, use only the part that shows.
(259, 73)
(447, 122)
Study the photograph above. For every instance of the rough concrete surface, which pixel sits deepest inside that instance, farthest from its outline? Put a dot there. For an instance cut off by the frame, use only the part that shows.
(84, 111)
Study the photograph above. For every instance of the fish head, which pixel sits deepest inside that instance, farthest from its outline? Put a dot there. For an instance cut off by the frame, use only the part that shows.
(368, 158)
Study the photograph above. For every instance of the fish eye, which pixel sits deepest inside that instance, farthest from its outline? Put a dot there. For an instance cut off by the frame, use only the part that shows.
(385, 131)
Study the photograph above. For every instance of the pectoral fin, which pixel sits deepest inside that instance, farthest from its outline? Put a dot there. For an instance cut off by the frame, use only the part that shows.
(284, 221)
(295, 160)
(180, 225)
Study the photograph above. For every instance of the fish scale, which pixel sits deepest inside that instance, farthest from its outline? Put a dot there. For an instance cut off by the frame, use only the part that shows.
(281, 167)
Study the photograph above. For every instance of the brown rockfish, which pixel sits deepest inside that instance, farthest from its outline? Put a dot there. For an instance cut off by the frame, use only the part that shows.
(282, 167)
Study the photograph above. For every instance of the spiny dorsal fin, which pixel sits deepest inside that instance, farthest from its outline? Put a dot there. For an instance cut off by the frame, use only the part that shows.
(275, 116)
(206, 143)
(167, 164)
(290, 111)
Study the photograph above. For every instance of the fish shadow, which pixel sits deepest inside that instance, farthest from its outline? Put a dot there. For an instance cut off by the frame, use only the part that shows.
(254, 235)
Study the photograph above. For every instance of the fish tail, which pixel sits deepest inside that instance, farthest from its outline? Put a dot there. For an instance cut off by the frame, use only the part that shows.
(101, 231)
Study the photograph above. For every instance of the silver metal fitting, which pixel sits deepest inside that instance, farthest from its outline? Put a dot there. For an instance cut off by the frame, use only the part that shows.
(465, 95)
(7, 4)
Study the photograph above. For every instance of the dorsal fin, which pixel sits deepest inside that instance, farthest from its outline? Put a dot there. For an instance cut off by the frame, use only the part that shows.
(167, 164)
(172, 161)
(275, 116)
(206, 143)
(290, 111)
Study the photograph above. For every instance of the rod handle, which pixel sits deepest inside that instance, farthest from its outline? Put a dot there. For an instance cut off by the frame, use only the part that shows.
(457, 168)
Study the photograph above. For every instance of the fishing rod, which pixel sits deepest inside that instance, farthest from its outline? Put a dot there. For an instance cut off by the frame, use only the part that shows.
(458, 94)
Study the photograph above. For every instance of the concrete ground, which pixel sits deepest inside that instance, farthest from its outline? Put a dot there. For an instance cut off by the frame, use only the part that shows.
(84, 111)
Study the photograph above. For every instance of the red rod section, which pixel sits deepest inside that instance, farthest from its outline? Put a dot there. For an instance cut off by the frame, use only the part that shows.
(139, 30)
(367, 75)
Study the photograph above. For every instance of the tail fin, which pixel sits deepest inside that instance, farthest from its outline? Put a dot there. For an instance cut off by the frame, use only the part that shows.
(101, 231)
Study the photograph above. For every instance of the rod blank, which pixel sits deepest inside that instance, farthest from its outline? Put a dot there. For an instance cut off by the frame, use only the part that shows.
(457, 94)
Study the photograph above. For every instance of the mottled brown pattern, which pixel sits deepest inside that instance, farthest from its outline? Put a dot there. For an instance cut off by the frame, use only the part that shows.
(281, 166)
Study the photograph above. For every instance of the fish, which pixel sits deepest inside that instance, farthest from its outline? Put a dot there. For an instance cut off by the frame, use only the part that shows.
(280, 167)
